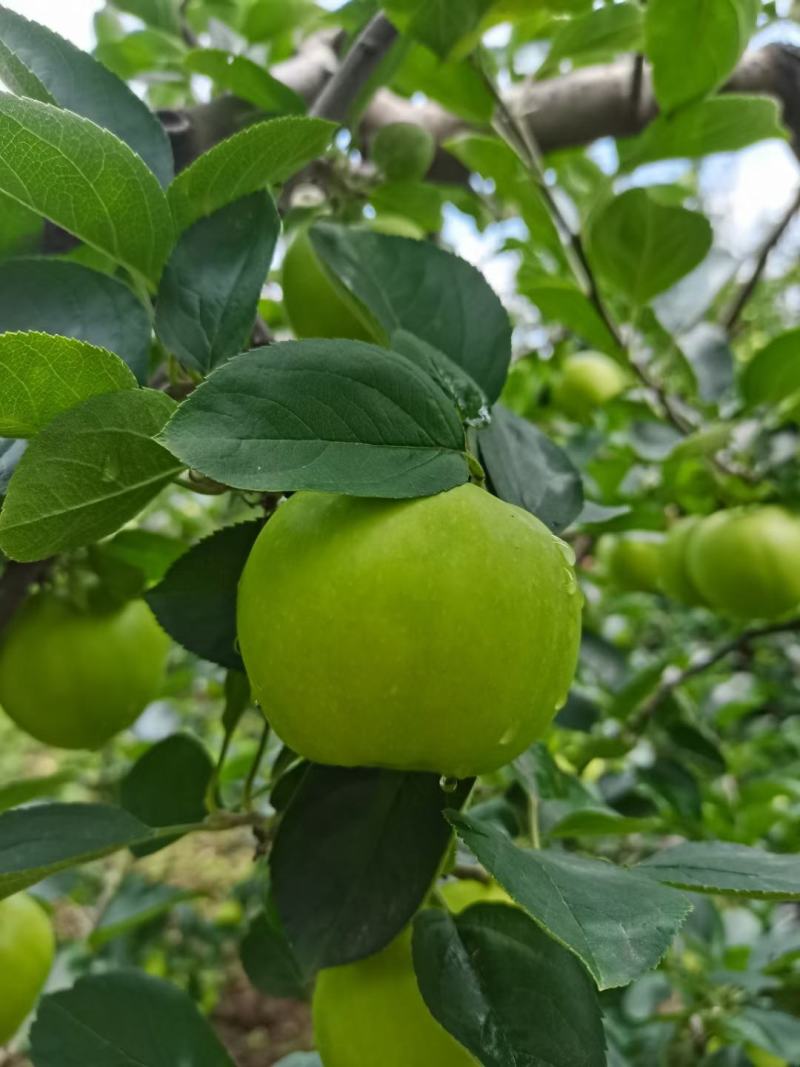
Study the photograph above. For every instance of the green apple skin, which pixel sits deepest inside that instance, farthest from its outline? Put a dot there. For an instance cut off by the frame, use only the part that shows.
(588, 381)
(74, 679)
(745, 561)
(675, 579)
(461, 893)
(404, 151)
(634, 561)
(27, 947)
(371, 1014)
(437, 634)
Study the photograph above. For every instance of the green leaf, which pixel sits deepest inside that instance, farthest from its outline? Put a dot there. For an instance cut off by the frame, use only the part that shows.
(22, 229)
(458, 86)
(260, 155)
(439, 24)
(196, 601)
(86, 180)
(167, 787)
(38, 63)
(135, 903)
(163, 14)
(339, 847)
(338, 416)
(209, 292)
(610, 917)
(644, 247)
(562, 304)
(26, 789)
(527, 469)
(721, 867)
(505, 990)
(694, 45)
(42, 375)
(143, 52)
(246, 79)
(468, 397)
(773, 374)
(415, 286)
(121, 1020)
(59, 297)
(36, 842)
(596, 36)
(268, 959)
(776, 1031)
(721, 124)
(86, 474)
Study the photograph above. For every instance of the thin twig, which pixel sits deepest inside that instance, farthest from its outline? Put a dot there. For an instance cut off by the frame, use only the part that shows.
(254, 766)
(731, 316)
(674, 681)
(369, 48)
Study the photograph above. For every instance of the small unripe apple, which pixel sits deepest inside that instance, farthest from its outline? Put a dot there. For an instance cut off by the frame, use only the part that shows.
(588, 380)
(26, 956)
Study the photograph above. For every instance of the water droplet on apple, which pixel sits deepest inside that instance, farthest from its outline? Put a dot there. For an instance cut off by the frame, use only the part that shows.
(448, 784)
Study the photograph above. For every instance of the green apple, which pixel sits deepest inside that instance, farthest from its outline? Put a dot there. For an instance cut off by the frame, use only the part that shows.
(675, 579)
(437, 634)
(74, 678)
(588, 380)
(745, 562)
(633, 560)
(27, 946)
(404, 151)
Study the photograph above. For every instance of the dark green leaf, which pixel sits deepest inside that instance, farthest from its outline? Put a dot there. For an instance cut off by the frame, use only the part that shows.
(439, 24)
(721, 867)
(38, 63)
(415, 286)
(27, 789)
(196, 601)
(335, 861)
(338, 416)
(42, 375)
(608, 916)
(268, 959)
(86, 474)
(58, 297)
(210, 288)
(527, 469)
(504, 989)
(135, 903)
(167, 786)
(124, 1019)
(38, 841)
(258, 156)
(644, 247)
(246, 79)
(86, 180)
(775, 1031)
(469, 398)
(695, 44)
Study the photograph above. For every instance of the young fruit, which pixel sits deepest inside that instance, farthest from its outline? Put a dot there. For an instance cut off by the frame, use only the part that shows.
(73, 679)
(462, 893)
(372, 1013)
(633, 560)
(675, 579)
(588, 380)
(26, 956)
(436, 634)
(318, 304)
(404, 151)
(745, 562)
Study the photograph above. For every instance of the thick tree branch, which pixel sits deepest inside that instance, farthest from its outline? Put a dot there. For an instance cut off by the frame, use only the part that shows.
(340, 93)
(564, 112)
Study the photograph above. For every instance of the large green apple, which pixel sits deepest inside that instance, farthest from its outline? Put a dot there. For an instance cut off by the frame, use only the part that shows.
(26, 956)
(587, 381)
(371, 1014)
(436, 634)
(73, 679)
(633, 560)
(745, 562)
(675, 579)
(317, 303)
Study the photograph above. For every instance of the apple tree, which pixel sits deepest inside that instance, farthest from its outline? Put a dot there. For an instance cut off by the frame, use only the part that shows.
(400, 537)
